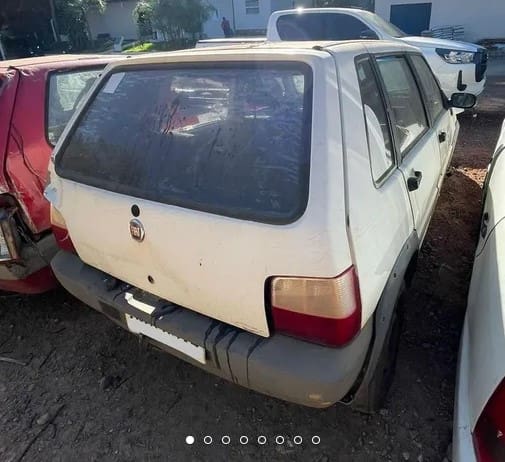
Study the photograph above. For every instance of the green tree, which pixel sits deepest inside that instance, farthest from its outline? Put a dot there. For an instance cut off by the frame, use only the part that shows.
(72, 20)
(173, 18)
(196, 14)
(142, 15)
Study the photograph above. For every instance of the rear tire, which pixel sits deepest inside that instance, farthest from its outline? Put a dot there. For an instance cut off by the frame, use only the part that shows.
(383, 374)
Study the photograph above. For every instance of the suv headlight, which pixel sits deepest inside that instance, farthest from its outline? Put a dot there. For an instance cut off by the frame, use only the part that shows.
(456, 56)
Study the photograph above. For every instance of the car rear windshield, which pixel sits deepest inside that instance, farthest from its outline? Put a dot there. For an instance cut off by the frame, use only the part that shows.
(320, 26)
(232, 139)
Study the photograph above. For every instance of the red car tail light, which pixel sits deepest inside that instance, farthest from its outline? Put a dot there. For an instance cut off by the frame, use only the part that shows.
(489, 434)
(320, 310)
(60, 231)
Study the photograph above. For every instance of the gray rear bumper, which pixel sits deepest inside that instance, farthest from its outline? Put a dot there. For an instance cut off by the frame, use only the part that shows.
(279, 366)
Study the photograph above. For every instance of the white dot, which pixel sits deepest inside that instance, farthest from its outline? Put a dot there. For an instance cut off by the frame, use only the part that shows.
(190, 439)
(279, 439)
(207, 439)
(316, 439)
(262, 439)
(225, 439)
(244, 439)
(297, 439)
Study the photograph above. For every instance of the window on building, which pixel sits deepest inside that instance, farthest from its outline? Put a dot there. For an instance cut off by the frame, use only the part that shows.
(252, 7)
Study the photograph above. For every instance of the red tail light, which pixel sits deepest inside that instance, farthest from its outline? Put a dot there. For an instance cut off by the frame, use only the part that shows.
(60, 231)
(326, 311)
(489, 434)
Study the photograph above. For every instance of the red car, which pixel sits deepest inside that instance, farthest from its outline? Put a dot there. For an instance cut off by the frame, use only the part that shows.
(37, 98)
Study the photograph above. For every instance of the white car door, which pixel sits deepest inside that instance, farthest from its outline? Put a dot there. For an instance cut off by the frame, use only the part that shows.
(443, 121)
(416, 144)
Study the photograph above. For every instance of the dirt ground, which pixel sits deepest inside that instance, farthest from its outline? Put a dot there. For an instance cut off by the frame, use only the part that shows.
(84, 390)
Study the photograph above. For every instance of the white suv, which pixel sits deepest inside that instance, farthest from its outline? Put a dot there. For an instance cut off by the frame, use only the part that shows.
(459, 66)
(257, 211)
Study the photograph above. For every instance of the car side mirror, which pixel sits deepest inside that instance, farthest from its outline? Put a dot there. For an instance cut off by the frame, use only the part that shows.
(463, 100)
(368, 34)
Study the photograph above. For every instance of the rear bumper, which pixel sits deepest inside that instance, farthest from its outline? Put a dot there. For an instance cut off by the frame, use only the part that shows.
(279, 366)
(31, 274)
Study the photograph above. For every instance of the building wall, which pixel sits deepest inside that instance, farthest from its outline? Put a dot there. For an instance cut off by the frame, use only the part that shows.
(283, 4)
(252, 21)
(117, 20)
(212, 28)
(480, 18)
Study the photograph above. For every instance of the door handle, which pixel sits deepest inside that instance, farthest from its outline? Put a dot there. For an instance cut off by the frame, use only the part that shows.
(442, 137)
(413, 182)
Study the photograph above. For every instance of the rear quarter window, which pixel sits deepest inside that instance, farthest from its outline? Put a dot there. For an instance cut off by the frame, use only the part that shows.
(231, 140)
(66, 89)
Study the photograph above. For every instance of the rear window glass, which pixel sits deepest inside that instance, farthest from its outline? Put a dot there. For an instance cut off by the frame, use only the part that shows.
(66, 89)
(320, 26)
(231, 140)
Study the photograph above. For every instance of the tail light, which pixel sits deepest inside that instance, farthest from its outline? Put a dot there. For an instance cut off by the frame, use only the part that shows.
(489, 434)
(60, 231)
(325, 311)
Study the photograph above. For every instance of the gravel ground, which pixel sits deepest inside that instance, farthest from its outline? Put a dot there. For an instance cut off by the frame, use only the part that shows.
(83, 390)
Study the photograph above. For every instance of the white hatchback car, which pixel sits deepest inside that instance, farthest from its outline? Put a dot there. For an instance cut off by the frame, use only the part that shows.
(479, 423)
(257, 211)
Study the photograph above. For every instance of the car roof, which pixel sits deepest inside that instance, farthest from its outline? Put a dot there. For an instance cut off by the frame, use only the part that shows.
(249, 50)
(49, 60)
(320, 10)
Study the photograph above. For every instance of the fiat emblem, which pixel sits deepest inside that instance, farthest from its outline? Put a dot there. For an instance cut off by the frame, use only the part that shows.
(137, 230)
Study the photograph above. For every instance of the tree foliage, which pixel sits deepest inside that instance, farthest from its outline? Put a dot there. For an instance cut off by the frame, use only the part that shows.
(72, 21)
(173, 18)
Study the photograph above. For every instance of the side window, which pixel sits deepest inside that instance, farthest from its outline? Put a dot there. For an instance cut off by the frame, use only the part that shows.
(65, 91)
(380, 145)
(410, 121)
(432, 91)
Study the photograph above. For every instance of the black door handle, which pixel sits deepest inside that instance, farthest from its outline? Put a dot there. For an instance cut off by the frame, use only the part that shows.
(414, 182)
(442, 137)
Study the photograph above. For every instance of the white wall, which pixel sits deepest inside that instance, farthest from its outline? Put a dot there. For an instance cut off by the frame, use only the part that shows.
(212, 28)
(234, 11)
(480, 18)
(117, 20)
(252, 21)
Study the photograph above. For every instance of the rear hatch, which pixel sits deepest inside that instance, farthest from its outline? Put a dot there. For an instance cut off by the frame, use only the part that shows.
(191, 182)
(8, 85)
